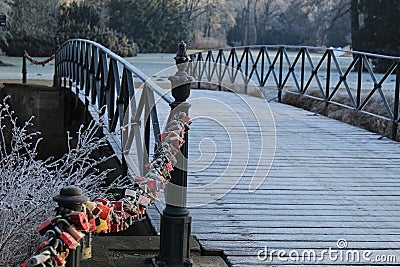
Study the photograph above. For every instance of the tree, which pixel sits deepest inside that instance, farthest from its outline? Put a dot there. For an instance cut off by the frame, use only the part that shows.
(84, 21)
(309, 22)
(32, 27)
(375, 25)
(5, 9)
(156, 26)
(28, 184)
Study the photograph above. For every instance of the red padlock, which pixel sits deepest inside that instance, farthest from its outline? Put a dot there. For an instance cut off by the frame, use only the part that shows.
(105, 211)
(170, 168)
(79, 220)
(41, 247)
(60, 260)
(186, 119)
(57, 257)
(96, 211)
(64, 224)
(162, 136)
(102, 200)
(117, 205)
(68, 240)
(144, 201)
(153, 185)
(44, 227)
(77, 235)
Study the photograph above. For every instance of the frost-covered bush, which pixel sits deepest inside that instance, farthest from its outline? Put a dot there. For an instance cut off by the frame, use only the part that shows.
(27, 184)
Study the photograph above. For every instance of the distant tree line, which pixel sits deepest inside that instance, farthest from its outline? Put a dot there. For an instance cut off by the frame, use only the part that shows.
(128, 26)
(40, 26)
(312, 22)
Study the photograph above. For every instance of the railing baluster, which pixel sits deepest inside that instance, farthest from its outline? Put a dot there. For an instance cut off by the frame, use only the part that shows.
(280, 88)
(359, 80)
(395, 120)
(328, 76)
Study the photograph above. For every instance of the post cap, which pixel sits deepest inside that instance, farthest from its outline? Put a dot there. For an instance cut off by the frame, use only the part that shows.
(70, 195)
(181, 55)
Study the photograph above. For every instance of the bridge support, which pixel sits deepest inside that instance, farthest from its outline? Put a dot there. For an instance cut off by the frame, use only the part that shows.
(175, 220)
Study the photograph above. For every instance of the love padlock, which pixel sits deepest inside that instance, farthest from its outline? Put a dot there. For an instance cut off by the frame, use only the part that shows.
(186, 119)
(39, 259)
(57, 257)
(41, 247)
(44, 227)
(174, 125)
(104, 226)
(155, 175)
(77, 235)
(130, 193)
(68, 240)
(59, 260)
(139, 179)
(170, 168)
(79, 220)
(105, 211)
(102, 200)
(153, 185)
(144, 201)
(117, 205)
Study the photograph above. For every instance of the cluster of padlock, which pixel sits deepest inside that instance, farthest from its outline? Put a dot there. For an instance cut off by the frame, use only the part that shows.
(64, 233)
(59, 236)
(116, 216)
(164, 159)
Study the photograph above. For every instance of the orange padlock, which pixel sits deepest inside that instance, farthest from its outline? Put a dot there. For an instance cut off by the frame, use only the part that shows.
(105, 211)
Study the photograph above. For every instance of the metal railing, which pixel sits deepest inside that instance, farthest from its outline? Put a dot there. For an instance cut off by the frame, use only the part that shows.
(103, 79)
(348, 79)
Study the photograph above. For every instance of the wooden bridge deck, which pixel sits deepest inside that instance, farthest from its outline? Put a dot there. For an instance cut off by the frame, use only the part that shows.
(329, 181)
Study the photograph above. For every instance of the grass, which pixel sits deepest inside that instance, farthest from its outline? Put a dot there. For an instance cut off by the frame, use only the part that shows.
(348, 115)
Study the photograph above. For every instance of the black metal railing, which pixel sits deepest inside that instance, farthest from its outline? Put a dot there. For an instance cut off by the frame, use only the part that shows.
(106, 82)
(101, 79)
(345, 78)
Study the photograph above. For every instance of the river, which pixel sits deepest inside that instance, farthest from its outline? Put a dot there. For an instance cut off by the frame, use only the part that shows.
(150, 64)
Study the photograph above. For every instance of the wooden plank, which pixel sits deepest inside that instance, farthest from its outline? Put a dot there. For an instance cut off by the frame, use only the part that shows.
(328, 181)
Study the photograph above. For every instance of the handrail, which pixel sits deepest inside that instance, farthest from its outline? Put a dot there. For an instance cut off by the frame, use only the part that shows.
(104, 79)
(322, 48)
(143, 77)
(350, 81)
(107, 80)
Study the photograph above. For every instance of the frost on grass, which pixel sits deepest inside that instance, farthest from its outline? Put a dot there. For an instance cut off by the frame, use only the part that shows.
(27, 184)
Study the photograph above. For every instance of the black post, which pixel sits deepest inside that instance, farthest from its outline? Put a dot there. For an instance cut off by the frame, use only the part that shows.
(175, 220)
(71, 199)
(56, 79)
(24, 70)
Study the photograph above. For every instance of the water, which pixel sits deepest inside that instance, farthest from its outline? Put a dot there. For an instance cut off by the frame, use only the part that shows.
(149, 64)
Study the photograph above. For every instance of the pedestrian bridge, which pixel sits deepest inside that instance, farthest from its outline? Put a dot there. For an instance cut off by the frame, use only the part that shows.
(268, 183)
(329, 182)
